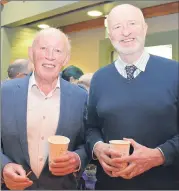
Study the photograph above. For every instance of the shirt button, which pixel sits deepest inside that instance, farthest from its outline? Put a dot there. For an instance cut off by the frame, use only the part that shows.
(44, 117)
(46, 98)
(42, 137)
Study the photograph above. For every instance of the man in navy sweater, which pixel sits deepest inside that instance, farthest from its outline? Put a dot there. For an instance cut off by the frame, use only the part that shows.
(137, 98)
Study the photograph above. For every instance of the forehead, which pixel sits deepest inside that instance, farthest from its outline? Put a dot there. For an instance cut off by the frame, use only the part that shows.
(120, 15)
(51, 39)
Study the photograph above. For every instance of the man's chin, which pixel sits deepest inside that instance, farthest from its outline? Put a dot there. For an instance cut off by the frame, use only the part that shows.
(127, 51)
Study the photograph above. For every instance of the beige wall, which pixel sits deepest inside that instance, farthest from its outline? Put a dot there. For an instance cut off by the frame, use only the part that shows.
(21, 39)
(85, 49)
(15, 43)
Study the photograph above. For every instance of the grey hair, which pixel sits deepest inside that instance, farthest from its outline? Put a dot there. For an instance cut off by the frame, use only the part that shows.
(53, 30)
(17, 67)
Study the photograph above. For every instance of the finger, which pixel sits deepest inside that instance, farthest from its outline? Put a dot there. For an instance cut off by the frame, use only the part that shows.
(109, 173)
(12, 175)
(127, 170)
(19, 169)
(126, 176)
(59, 164)
(63, 173)
(133, 143)
(137, 171)
(114, 153)
(59, 170)
(106, 159)
(107, 167)
(62, 158)
(21, 185)
(125, 159)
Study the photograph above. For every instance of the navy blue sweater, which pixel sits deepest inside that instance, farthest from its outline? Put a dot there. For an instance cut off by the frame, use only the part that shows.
(145, 109)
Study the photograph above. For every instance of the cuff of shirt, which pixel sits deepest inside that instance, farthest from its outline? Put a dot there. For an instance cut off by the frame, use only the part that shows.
(93, 155)
(79, 165)
(161, 152)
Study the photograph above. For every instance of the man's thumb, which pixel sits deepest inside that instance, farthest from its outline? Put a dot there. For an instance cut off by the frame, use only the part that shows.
(19, 170)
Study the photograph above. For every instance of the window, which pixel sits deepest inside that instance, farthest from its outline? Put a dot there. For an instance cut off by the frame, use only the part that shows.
(161, 50)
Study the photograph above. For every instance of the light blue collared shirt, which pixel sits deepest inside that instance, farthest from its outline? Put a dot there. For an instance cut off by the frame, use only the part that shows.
(140, 64)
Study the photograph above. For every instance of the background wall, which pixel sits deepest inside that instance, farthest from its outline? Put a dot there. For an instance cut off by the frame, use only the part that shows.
(15, 43)
(85, 49)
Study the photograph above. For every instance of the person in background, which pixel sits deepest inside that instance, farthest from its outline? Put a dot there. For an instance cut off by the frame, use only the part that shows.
(72, 74)
(136, 98)
(85, 80)
(19, 68)
(36, 107)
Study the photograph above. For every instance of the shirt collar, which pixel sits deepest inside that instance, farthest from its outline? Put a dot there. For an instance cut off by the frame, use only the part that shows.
(140, 63)
(32, 82)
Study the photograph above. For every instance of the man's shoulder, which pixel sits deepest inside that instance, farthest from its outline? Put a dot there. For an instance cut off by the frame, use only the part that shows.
(164, 62)
(11, 84)
(103, 71)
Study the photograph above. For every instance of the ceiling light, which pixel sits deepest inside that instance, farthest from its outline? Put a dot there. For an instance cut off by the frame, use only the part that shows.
(94, 13)
(43, 26)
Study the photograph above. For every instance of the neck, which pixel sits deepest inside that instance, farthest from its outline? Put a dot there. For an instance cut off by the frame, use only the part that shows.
(46, 86)
(130, 58)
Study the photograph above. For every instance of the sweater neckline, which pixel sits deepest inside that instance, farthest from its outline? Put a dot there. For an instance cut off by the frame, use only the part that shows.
(125, 80)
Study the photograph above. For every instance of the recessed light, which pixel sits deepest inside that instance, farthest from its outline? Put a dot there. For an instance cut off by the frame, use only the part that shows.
(43, 26)
(94, 13)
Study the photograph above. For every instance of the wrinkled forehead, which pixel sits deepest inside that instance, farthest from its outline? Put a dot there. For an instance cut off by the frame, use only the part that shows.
(125, 14)
(50, 39)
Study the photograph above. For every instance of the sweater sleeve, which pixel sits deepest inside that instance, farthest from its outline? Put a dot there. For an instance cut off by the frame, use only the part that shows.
(170, 148)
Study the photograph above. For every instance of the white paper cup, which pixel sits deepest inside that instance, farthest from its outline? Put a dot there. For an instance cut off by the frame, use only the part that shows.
(57, 146)
(122, 147)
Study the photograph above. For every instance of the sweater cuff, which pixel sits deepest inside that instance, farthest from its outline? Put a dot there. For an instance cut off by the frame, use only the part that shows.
(161, 153)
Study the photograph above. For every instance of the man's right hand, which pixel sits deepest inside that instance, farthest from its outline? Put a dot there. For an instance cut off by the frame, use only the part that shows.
(15, 177)
(103, 153)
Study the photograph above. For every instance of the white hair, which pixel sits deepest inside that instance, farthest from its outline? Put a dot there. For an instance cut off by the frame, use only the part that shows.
(51, 31)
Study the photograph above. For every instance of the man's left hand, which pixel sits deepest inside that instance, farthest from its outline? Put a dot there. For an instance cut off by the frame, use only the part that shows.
(141, 160)
(65, 164)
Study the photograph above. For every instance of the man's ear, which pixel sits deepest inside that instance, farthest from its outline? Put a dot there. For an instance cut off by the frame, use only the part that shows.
(66, 60)
(145, 28)
(30, 53)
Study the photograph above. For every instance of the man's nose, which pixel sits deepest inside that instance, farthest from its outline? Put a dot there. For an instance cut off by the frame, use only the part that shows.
(126, 31)
(49, 54)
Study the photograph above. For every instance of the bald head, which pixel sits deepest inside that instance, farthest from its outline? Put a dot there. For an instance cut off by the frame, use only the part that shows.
(52, 32)
(125, 12)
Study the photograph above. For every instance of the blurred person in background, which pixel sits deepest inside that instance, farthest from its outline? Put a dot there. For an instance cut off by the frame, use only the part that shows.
(19, 68)
(72, 74)
(85, 80)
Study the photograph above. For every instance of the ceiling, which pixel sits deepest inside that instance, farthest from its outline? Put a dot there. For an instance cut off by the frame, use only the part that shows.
(80, 15)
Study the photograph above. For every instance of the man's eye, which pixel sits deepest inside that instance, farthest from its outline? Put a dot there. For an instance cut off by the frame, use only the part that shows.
(132, 23)
(117, 27)
(57, 50)
(42, 48)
